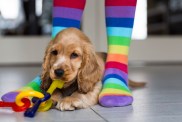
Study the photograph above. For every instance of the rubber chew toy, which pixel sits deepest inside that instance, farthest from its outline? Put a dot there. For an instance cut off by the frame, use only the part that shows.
(55, 84)
(41, 101)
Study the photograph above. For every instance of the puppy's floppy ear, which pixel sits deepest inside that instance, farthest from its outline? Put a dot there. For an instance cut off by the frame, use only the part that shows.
(46, 80)
(90, 72)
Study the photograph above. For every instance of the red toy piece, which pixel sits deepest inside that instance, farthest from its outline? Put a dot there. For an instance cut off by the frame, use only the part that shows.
(15, 107)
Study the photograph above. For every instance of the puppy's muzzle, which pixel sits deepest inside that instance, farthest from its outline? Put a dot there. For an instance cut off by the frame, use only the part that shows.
(59, 72)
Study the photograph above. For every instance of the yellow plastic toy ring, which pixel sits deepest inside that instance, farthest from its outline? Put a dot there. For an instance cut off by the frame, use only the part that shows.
(29, 93)
(46, 106)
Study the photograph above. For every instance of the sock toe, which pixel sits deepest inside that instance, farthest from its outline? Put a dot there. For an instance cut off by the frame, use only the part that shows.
(115, 101)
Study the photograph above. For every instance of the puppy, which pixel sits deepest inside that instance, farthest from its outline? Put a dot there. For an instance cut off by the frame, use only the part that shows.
(71, 58)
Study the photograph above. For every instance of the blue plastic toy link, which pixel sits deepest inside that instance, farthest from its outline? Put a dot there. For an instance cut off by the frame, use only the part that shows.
(32, 111)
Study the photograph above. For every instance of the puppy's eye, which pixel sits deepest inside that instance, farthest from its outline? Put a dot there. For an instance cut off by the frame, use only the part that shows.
(74, 55)
(54, 52)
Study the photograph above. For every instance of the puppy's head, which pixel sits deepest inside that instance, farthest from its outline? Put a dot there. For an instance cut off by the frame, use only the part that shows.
(69, 57)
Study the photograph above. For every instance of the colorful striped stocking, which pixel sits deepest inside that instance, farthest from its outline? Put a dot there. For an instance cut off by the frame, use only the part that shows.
(66, 13)
(119, 21)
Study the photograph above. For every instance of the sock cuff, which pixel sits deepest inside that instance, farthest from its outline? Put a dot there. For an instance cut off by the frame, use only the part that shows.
(79, 4)
(120, 3)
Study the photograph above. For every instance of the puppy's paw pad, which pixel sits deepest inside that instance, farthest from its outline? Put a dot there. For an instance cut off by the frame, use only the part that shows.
(66, 104)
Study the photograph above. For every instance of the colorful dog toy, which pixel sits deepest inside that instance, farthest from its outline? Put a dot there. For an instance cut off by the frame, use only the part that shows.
(20, 101)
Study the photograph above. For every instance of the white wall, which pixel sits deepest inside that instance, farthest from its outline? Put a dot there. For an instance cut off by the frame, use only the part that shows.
(94, 23)
(31, 49)
(22, 49)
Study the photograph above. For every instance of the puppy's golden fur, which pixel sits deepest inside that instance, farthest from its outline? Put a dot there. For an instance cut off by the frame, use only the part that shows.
(73, 52)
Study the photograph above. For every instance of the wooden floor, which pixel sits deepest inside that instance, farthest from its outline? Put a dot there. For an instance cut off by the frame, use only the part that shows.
(159, 101)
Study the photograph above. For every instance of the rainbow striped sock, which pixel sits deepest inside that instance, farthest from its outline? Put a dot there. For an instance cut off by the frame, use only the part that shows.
(66, 13)
(33, 85)
(119, 21)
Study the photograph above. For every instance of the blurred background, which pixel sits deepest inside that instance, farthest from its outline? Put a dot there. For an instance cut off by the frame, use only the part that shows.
(25, 29)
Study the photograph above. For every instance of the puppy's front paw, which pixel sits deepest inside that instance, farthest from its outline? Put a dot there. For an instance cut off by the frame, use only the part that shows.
(69, 104)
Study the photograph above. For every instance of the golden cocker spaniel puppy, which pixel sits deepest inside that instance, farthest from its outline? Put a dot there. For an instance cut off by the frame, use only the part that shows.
(71, 57)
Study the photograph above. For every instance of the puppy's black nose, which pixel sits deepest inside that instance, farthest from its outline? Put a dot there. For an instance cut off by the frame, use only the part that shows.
(59, 72)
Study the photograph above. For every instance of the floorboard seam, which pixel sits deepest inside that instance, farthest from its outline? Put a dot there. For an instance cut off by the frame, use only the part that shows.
(99, 115)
